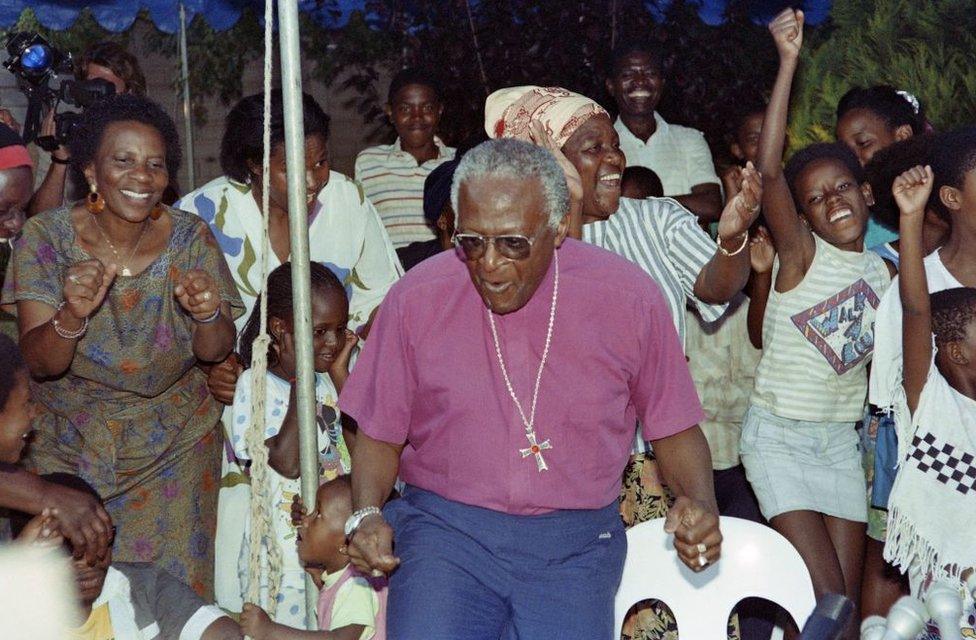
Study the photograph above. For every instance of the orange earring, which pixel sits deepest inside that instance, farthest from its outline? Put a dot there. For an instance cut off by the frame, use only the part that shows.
(95, 203)
(157, 211)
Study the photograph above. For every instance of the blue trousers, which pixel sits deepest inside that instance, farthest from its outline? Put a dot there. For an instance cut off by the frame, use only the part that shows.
(477, 574)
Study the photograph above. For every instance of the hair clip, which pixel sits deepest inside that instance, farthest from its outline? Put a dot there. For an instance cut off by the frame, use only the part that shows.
(912, 100)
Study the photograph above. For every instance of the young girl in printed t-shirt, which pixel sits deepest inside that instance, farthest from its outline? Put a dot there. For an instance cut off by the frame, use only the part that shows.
(332, 344)
(933, 501)
(799, 444)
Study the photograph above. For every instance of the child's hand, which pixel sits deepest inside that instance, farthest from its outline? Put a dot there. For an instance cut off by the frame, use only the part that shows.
(731, 181)
(787, 31)
(339, 370)
(255, 622)
(912, 190)
(286, 354)
(42, 531)
(761, 251)
(297, 510)
(742, 210)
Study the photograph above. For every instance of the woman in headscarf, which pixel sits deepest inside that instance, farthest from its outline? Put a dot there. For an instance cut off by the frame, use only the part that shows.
(658, 234)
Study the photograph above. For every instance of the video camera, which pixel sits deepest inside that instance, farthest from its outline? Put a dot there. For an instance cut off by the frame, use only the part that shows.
(37, 66)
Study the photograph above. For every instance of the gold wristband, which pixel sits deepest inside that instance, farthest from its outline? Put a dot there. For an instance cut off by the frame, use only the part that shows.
(726, 252)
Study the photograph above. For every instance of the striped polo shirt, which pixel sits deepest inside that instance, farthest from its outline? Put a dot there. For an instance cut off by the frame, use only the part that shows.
(394, 183)
(664, 239)
(819, 337)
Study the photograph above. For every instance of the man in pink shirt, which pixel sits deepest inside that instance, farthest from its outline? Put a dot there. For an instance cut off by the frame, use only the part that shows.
(502, 382)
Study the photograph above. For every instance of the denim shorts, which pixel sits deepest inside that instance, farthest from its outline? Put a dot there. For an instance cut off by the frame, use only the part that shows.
(794, 465)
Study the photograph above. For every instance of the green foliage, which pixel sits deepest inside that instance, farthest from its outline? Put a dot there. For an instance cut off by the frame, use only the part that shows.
(545, 42)
(216, 58)
(925, 48)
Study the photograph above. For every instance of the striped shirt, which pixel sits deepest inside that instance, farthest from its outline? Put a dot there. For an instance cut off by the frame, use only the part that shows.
(394, 183)
(664, 239)
(819, 337)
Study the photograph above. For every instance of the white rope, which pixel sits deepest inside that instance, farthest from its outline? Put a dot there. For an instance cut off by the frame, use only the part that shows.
(263, 537)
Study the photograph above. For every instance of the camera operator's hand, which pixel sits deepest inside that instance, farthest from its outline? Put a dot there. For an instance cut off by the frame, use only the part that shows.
(8, 119)
(48, 128)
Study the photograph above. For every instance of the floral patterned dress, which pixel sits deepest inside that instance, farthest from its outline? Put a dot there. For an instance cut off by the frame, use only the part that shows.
(133, 415)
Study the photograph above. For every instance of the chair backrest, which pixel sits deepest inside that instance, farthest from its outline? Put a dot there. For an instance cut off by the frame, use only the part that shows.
(756, 562)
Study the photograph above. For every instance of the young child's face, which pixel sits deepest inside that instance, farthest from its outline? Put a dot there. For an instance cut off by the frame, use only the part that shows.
(832, 202)
(89, 579)
(746, 145)
(330, 315)
(321, 532)
(415, 112)
(15, 421)
(865, 133)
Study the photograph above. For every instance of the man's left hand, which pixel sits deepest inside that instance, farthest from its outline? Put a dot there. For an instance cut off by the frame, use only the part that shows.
(697, 538)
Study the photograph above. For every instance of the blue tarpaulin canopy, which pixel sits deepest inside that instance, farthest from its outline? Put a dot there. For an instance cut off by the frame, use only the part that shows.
(118, 15)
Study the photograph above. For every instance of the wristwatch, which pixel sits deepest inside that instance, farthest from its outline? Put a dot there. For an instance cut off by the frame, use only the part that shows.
(357, 518)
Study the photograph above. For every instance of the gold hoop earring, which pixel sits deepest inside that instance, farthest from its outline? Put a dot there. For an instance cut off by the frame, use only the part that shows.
(95, 203)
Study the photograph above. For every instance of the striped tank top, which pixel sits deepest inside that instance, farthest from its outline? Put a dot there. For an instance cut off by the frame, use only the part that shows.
(819, 337)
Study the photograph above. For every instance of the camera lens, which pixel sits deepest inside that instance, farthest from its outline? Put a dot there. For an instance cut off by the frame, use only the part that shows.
(36, 58)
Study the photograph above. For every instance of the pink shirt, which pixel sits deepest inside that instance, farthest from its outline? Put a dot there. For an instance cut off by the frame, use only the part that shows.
(429, 377)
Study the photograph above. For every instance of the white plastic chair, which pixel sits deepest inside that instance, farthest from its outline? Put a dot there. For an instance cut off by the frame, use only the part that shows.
(756, 562)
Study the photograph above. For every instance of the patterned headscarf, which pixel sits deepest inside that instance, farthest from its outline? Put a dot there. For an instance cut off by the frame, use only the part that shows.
(508, 112)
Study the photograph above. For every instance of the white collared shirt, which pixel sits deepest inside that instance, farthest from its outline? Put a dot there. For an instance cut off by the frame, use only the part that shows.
(394, 183)
(678, 155)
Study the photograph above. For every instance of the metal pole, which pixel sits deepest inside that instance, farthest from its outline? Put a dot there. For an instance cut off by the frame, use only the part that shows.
(291, 88)
(187, 110)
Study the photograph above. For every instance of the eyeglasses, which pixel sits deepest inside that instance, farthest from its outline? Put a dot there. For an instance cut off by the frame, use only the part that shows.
(474, 245)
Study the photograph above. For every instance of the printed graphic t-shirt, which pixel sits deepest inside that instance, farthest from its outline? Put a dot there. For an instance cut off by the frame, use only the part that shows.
(819, 337)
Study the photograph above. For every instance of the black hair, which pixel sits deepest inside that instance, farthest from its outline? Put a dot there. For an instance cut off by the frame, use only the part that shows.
(886, 103)
(280, 304)
(412, 75)
(19, 519)
(87, 136)
(243, 140)
(834, 151)
(644, 179)
(12, 366)
(889, 163)
(627, 47)
(952, 311)
(953, 156)
(743, 110)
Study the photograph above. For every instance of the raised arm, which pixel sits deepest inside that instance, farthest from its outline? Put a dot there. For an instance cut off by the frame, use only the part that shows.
(793, 240)
(726, 273)
(912, 190)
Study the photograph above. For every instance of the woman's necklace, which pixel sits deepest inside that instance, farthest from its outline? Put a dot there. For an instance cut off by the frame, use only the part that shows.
(535, 448)
(123, 266)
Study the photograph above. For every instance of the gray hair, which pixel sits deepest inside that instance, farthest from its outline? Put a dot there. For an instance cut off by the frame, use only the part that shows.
(516, 159)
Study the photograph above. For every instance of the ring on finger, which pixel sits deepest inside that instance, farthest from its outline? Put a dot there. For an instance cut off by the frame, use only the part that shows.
(73, 278)
(701, 548)
(702, 560)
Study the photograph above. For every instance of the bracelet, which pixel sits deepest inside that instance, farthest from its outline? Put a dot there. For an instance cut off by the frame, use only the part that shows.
(209, 319)
(725, 252)
(57, 160)
(64, 333)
